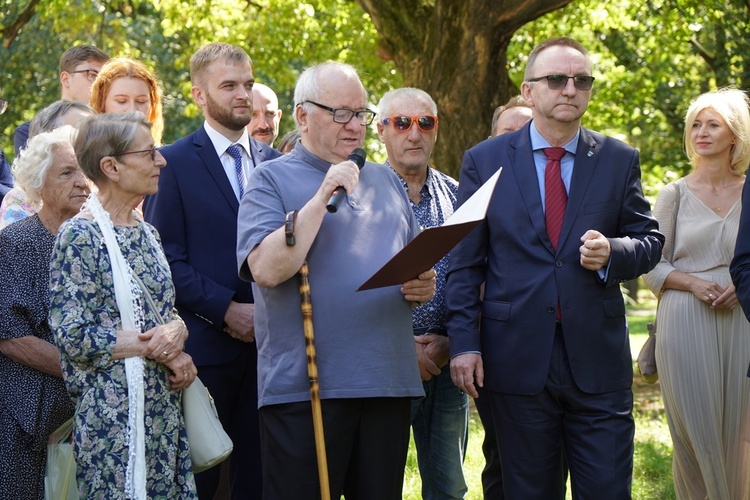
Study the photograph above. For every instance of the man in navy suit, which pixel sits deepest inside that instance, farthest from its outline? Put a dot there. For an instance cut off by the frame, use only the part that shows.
(195, 212)
(552, 346)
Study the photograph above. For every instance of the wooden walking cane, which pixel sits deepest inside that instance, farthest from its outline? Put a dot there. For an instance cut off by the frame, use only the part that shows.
(312, 372)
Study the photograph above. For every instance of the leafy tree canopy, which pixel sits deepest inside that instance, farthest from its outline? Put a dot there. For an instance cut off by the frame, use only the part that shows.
(651, 58)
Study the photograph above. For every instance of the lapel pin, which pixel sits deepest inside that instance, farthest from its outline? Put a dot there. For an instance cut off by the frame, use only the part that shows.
(591, 153)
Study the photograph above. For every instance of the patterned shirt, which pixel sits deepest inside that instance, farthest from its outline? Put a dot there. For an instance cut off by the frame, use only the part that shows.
(437, 204)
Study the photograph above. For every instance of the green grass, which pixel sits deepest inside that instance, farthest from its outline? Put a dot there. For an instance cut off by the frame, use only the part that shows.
(652, 470)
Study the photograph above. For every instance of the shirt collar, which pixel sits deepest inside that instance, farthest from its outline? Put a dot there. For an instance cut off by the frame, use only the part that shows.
(310, 158)
(221, 143)
(538, 142)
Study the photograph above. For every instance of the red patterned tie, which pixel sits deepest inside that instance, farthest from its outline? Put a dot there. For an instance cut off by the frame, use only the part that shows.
(555, 196)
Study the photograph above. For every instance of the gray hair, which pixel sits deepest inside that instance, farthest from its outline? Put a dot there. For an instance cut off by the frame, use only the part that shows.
(53, 115)
(218, 51)
(308, 86)
(107, 134)
(31, 166)
(384, 106)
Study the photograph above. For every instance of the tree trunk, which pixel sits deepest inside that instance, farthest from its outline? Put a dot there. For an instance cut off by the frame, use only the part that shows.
(455, 50)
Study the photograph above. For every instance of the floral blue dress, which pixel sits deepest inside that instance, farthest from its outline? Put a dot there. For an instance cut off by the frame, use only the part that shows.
(84, 317)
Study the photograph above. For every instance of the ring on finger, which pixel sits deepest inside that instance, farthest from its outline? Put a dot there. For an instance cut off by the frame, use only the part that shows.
(164, 354)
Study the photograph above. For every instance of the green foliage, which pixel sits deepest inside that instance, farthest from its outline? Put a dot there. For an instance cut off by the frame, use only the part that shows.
(281, 36)
(651, 58)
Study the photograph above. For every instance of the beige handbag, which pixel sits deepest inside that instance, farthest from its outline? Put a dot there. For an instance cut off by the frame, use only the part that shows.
(209, 443)
(647, 356)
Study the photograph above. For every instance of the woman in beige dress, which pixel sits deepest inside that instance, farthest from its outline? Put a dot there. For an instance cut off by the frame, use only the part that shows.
(703, 340)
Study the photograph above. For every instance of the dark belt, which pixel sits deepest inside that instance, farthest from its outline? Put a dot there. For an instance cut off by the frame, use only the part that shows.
(436, 330)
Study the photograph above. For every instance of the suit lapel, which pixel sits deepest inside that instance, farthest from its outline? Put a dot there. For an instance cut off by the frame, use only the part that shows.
(583, 171)
(207, 153)
(521, 160)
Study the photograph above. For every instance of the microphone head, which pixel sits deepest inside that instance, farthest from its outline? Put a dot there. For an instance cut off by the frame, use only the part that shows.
(358, 156)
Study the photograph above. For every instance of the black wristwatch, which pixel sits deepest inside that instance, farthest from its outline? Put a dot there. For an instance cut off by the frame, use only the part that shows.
(291, 219)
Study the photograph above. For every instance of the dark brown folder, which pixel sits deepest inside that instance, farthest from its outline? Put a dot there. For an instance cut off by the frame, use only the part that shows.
(424, 251)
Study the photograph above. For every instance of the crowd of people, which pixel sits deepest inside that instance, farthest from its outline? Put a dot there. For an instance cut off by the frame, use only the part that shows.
(129, 268)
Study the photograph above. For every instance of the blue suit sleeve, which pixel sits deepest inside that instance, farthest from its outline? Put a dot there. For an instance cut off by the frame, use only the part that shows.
(6, 179)
(466, 273)
(740, 267)
(637, 247)
(195, 291)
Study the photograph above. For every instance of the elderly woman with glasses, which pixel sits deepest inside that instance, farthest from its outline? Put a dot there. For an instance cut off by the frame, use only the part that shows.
(120, 338)
(33, 399)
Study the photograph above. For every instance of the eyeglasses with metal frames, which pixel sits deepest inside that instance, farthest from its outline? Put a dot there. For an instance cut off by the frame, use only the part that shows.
(151, 152)
(91, 74)
(344, 115)
(558, 82)
(425, 123)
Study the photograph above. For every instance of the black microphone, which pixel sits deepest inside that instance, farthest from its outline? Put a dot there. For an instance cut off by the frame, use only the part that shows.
(358, 156)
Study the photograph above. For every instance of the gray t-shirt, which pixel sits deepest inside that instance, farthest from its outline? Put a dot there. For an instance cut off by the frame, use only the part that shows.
(363, 340)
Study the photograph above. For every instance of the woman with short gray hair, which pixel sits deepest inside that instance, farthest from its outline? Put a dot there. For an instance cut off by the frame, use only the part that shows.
(110, 288)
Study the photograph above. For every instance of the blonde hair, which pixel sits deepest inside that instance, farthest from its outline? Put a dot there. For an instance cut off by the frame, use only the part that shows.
(122, 67)
(733, 106)
(31, 166)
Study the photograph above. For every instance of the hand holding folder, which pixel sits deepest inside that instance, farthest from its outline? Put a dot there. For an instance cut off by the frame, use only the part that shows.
(433, 243)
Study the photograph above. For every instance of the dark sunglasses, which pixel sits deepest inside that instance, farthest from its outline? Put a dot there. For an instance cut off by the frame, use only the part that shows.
(558, 82)
(425, 123)
(151, 152)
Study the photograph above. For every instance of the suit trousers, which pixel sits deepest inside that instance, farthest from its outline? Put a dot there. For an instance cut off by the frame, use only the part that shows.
(492, 473)
(367, 441)
(234, 387)
(595, 431)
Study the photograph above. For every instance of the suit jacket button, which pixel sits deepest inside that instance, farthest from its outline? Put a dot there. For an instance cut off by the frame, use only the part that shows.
(558, 263)
(550, 310)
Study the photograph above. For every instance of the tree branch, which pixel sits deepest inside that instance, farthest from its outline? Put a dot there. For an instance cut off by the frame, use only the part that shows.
(710, 60)
(10, 32)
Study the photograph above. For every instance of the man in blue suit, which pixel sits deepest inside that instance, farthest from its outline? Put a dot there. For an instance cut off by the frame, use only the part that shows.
(564, 227)
(195, 212)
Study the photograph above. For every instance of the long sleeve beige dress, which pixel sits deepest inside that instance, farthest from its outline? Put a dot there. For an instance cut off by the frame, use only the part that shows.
(702, 353)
